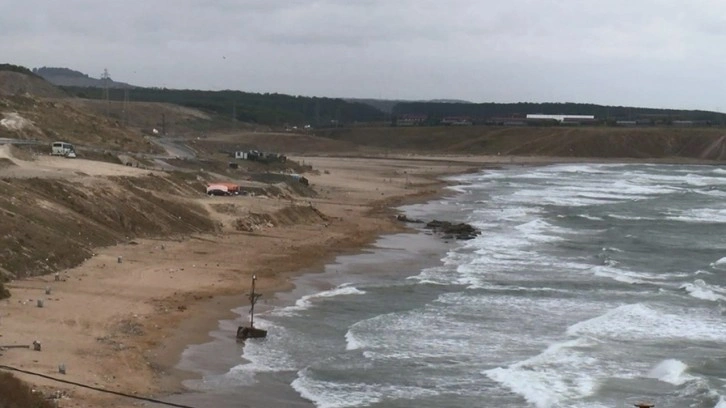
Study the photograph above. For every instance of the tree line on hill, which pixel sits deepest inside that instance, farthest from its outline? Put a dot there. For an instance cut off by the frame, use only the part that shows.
(287, 110)
(16, 68)
(268, 108)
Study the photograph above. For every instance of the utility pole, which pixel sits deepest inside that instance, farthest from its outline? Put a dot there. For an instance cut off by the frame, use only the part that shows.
(317, 112)
(126, 107)
(106, 79)
(234, 113)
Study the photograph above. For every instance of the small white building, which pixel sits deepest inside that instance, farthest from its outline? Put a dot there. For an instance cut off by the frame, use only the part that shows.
(559, 118)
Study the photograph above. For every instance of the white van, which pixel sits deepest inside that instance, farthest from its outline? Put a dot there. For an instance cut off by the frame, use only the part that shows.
(62, 149)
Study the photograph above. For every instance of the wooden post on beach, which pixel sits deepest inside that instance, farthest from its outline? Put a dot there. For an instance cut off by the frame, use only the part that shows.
(40, 303)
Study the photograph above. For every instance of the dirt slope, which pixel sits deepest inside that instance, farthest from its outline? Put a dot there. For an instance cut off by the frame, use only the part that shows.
(15, 83)
(29, 117)
(57, 223)
(596, 142)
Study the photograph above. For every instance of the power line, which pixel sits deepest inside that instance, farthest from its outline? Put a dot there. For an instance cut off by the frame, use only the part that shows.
(90, 387)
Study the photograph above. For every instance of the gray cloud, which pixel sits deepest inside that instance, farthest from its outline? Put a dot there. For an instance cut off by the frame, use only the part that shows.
(641, 52)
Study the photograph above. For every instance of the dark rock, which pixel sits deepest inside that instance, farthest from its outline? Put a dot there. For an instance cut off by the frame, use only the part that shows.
(448, 230)
(404, 218)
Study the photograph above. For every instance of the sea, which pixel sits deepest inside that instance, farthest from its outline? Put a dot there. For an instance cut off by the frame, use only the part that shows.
(591, 285)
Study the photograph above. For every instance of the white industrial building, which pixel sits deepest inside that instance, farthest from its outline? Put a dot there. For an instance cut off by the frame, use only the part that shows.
(560, 118)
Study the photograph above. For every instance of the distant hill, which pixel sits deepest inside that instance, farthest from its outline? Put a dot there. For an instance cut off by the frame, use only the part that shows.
(17, 80)
(267, 109)
(484, 111)
(69, 77)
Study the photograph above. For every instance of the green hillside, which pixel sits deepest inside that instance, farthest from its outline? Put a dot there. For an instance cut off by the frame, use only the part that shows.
(269, 108)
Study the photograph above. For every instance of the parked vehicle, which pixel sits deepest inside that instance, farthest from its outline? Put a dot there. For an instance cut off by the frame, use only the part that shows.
(62, 149)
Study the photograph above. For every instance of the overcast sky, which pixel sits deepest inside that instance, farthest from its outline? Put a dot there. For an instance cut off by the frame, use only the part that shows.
(657, 53)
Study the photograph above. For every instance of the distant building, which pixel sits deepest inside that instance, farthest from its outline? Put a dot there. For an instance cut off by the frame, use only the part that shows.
(561, 118)
(411, 119)
(626, 123)
(456, 121)
(578, 121)
(506, 121)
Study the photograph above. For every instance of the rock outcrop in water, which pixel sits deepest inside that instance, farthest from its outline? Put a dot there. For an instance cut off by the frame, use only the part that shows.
(447, 229)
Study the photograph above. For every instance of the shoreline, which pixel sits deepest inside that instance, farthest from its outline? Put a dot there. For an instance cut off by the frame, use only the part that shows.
(217, 361)
(213, 311)
(149, 308)
(124, 326)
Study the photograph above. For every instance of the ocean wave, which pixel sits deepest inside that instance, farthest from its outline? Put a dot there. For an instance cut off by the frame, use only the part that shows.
(328, 394)
(621, 275)
(642, 322)
(351, 342)
(701, 180)
(671, 371)
(306, 302)
(701, 290)
(700, 215)
(591, 217)
(721, 263)
(556, 376)
(541, 231)
(630, 217)
(265, 356)
(711, 192)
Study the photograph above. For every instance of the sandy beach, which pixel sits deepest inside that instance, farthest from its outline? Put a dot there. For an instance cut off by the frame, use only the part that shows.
(120, 320)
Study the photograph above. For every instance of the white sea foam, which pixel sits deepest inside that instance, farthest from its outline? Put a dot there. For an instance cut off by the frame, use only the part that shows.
(700, 215)
(306, 302)
(720, 262)
(639, 321)
(351, 342)
(711, 192)
(409, 336)
(701, 290)
(463, 189)
(550, 197)
(553, 378)
(671, 371)
(629, 217)
(263, 356)
(327, 394)
(621, 275)
(499, 214)
(701, 180)
(540, 231)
